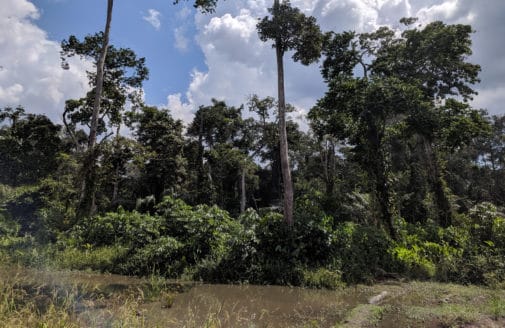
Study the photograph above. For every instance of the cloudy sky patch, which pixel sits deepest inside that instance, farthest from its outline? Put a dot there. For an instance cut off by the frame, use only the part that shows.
(153, 18)
(195, 57)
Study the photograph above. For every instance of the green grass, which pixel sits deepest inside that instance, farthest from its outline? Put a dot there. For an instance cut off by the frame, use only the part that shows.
(26, 301)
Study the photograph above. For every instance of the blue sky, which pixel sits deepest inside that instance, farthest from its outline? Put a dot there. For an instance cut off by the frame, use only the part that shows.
(169, 66)
(194, 57)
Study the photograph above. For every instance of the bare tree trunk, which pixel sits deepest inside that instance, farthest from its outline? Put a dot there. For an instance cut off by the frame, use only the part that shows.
(87, 204)
(329, 168)
(115, 190)
(99, 77)
(242, 190)
(283, 138)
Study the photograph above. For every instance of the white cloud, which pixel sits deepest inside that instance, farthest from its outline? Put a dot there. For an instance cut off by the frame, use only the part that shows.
(153, 18)
(184, 13)
(178, 109)
(239, 64)
(443, 11)
(11, 94)
(31, 73)
(181, 41)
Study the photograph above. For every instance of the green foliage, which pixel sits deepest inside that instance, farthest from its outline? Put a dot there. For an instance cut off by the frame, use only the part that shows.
(21, 207)
(416, 264)
(8, 227)
(163, 167)
(323, 278)
(131, 229)
(28, 147)
(206, 6)
(290, 29)
(103, 259)
(123, 76)
(204, 230)
(162, 256)
(25, 251)
(363, 252)
(393, 182)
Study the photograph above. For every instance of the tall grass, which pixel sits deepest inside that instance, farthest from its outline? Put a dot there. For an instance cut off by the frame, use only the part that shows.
(24, 303)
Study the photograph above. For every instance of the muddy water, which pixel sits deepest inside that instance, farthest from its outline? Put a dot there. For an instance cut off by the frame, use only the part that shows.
(201, 304)
(254, 306)
(102, 300)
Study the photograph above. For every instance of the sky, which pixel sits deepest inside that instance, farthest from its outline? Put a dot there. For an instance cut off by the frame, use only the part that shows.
(194, 57)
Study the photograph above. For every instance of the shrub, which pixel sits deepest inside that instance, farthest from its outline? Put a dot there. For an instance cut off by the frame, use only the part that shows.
(205, 231)
(126, 228)
(323, 278)
(162, 256)
(414, 262)
(362, 252)
(103, 258)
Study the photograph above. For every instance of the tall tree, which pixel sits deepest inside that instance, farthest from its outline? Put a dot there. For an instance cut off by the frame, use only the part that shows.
(433, 58)
(88, 184)
(414, 72)
(289, 29)
(121, 80)
(219, 154)
(28, 147)
(164, 167)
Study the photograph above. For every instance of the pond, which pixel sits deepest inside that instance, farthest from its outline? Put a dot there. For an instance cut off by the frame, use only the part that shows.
(105, 300)
(255, 306)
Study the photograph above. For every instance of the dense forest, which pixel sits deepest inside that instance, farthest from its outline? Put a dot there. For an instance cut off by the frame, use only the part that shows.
(397, 176)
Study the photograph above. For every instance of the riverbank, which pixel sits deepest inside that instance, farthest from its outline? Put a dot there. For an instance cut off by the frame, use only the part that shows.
(33, 298)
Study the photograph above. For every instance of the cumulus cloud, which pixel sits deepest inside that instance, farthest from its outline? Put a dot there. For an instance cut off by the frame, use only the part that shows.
(178, 109)
(488, 51)
(239, 64)
(153, 18)
(31, 73)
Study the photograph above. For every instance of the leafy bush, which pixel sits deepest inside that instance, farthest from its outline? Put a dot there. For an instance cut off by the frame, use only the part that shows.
(204, 231)
(25, 251)
(8, 227)
(103, 258)
(162, 256)
(362, 252)
(126, 228)
(415, 263)
(323, 278)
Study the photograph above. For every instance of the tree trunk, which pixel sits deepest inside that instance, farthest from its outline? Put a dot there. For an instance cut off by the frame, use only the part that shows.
(115, 191)
(87, 204)
(99, 77)
(384, 198)
(439, 186)
(329, 168)
(200, 170)
(283, 139)
(379, 169)
(242, 190)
